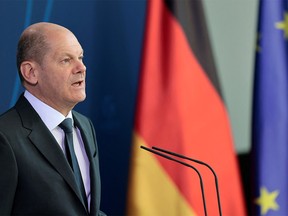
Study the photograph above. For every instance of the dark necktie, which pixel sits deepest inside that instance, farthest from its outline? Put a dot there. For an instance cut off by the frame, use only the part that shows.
(66, 126)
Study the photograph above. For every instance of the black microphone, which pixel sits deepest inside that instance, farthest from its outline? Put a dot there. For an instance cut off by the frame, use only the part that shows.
(199, 162)
(185, 164)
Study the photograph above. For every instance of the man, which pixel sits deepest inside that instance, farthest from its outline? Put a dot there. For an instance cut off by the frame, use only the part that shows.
(36, 178)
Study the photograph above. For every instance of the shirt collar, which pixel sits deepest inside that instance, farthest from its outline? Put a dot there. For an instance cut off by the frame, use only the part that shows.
(51, 117)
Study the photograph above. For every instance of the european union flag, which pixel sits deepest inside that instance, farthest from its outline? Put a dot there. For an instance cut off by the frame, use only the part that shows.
(270, 110)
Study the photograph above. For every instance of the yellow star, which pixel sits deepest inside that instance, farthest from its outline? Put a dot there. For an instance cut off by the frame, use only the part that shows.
(283, 25)
(267, 200)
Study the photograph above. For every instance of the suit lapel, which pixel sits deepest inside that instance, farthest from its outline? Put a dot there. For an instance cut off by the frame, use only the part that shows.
(45, 142)
(89, 142)
(87, 138)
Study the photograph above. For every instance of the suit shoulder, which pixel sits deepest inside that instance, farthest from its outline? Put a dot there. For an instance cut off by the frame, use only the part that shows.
(80, 116)
(81, 119)
(83, 122)
(7, 113)
(8, 116)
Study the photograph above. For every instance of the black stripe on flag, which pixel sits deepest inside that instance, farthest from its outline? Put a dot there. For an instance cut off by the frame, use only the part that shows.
(190, 15)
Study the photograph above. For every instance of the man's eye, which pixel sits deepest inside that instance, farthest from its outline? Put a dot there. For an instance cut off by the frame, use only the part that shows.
(66, 60)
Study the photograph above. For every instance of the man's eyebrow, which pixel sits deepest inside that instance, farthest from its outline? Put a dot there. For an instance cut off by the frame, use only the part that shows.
(70, 54)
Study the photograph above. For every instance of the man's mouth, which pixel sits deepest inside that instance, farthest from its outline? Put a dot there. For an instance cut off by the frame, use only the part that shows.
(78, 83)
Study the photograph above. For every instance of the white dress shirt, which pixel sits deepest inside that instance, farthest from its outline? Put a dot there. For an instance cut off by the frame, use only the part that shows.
(52, 118)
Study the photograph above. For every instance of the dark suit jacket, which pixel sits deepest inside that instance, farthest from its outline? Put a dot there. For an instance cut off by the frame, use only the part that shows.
(35, 176)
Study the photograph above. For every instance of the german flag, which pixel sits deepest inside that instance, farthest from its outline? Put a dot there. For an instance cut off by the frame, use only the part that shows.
(180, 108)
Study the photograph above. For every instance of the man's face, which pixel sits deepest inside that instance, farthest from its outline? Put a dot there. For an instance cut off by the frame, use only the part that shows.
(61, 77)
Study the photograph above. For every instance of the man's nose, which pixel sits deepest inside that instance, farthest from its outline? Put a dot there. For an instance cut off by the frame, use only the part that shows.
(80, 67)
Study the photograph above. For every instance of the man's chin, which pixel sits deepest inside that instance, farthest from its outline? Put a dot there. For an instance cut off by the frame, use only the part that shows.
(81, 98)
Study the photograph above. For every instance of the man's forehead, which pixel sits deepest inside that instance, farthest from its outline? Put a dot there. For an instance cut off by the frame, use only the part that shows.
(73, 50)
(64, 43)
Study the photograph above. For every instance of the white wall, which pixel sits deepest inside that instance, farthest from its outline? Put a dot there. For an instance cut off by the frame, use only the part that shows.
(232, 25)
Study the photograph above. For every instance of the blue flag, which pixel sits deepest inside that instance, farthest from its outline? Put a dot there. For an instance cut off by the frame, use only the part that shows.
(270, 111)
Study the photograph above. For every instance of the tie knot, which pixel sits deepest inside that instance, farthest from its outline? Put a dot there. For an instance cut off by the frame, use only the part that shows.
(66, 125)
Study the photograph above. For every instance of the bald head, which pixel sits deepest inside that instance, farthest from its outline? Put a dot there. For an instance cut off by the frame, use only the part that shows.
(34, 42)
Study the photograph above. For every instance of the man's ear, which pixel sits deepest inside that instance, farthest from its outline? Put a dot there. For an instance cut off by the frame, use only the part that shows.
(29, 72)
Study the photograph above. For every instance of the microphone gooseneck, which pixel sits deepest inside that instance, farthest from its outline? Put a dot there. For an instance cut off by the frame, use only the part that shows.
(199, 162)
(185, 164)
